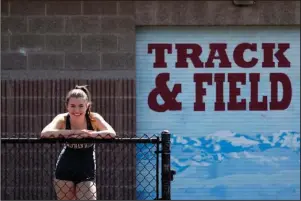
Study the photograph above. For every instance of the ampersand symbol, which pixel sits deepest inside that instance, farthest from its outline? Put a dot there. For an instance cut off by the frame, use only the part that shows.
(169, 97)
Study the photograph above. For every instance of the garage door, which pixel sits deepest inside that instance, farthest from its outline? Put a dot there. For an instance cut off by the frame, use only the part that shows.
(230, 98)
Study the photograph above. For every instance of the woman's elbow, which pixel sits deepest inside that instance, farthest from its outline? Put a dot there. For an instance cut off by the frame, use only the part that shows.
(112, 133)
(44, 134)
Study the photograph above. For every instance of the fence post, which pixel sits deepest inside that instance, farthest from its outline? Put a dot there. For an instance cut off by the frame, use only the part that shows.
(166, 172)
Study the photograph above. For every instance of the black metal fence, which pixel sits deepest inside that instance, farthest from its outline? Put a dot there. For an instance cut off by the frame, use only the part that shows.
(126, 168)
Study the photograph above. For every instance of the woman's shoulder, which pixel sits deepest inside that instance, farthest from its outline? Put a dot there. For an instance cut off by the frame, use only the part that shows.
(94, 116)
(61, 117)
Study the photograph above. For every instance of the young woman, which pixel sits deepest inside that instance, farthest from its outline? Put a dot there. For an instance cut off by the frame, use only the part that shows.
(75, 168)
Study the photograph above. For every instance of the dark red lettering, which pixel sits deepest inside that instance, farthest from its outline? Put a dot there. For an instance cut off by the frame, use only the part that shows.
(219, 104)
(159, 53)
(283, 62)
(254, 104)
(200, 91)
(219, 48)
(194, 56)
(268, 55)
(268, 58)
(238, 55)
(168, 96)
(286, 88)
(233, 104)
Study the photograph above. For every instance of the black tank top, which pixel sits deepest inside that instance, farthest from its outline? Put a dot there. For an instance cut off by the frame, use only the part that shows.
(79, 145)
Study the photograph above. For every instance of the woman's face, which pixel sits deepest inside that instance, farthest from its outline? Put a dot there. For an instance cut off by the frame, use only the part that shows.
(77, 107)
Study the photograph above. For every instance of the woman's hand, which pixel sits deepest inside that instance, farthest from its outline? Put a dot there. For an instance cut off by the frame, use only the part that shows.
(80, 134)
(102, 135)
(91, 134)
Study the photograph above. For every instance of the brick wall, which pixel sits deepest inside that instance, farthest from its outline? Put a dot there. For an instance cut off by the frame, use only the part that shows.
(202, 13)
(42, 38)
(48, 39)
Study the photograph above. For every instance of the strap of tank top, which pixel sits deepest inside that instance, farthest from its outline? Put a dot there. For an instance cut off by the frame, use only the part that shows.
(89, 124)
(68, 124)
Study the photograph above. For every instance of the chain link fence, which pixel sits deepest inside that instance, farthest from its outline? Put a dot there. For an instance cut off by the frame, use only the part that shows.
(136, 168)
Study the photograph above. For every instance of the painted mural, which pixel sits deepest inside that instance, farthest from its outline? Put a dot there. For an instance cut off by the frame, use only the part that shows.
(230, 96)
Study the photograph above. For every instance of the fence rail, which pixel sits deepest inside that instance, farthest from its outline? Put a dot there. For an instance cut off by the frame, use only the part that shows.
(151, 140)
(135, 168)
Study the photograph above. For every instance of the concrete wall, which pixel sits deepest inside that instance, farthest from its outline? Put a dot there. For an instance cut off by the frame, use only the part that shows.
(92, 39)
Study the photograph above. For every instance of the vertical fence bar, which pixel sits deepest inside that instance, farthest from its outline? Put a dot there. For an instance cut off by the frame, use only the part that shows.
(157, 167)
(165, 135)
